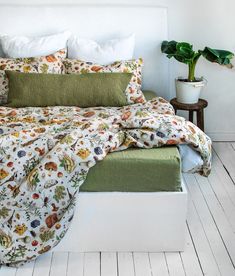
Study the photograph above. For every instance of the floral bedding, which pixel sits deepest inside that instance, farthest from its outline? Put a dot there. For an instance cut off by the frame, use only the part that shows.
(46, 153)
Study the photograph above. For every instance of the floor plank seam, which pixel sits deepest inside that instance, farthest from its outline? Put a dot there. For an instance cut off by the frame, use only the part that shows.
(83, 270)
(150, 265)
(182, 264)
(100, 262)
(190, 234)
(67, 265)
(33, 267)
(227, 171)
(132, 253)
(117, 263)
(52, 255)
(166, 263)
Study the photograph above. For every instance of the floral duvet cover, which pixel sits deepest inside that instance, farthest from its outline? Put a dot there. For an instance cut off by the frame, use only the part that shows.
(46, 153)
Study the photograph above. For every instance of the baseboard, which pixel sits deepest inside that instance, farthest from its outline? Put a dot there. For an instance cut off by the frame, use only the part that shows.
(221, 136)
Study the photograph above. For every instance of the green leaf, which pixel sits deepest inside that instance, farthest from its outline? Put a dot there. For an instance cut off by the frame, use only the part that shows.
(181, 51)
(185, 49)
(221, 57)
(169, 47)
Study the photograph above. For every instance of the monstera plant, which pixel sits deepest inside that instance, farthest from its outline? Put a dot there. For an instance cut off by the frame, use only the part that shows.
(188, 89)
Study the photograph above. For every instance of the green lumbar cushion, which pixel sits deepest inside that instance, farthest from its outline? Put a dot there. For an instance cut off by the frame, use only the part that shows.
(86, 90)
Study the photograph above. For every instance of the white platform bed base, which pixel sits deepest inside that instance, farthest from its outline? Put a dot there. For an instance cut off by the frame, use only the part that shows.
(116, 221)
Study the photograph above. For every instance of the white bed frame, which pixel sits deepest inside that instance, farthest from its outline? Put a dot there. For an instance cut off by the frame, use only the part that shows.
(112, 221)
(116, 221)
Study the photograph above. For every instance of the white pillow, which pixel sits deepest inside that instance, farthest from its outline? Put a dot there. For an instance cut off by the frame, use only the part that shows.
(23, 46)
(109, 52)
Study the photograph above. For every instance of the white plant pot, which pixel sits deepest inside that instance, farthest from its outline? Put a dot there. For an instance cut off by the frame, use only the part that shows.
(188, 92)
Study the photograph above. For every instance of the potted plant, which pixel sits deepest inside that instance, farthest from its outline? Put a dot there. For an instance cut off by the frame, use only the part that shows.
(188, 89)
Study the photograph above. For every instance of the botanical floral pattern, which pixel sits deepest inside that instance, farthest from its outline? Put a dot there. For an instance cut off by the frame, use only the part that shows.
(133, 90)
(46, 153)
(47, 64)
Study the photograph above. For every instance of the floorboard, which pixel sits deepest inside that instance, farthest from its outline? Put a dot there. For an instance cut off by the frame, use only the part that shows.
(125, 264)
(233, 145)
(59, 264)
(158, 264)
(175, 265)
(203, 248)
(26, 270)
(210, 236)
(220, 219)
(43, 265)
(224, 179)
(218, 192)
(190, 258)
(213, 232)
(226, 154)
(75, 263)
(91, 264)
(142, 264)
(108, 264)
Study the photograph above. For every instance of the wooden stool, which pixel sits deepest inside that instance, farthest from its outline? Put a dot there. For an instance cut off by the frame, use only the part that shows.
(197, 107)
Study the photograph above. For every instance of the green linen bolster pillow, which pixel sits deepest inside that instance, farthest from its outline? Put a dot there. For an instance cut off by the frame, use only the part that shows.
(86, 90)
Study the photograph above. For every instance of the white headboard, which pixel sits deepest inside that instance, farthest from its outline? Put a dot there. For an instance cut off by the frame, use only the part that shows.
(100, 22)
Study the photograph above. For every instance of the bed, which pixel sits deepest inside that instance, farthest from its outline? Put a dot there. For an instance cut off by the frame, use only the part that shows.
(142, 209)
(134, 200)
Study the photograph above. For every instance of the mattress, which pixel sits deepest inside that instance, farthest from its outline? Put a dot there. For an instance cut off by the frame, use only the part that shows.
(136, 170)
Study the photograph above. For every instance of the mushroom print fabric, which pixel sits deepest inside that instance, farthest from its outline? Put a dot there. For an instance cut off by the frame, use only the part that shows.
(46, 153)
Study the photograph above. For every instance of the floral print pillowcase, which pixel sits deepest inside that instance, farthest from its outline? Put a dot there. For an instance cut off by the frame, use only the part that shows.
(133, 90)
(46, 64)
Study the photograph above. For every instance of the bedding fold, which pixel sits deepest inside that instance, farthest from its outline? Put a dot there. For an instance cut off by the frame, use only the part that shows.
(46, 154)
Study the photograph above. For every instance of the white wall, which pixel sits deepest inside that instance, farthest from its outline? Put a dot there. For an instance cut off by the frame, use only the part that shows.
(208, 23)
(203, 23)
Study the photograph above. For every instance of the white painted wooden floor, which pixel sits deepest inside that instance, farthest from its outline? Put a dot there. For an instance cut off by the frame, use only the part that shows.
(210, 248)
